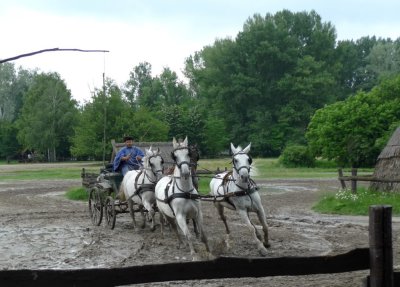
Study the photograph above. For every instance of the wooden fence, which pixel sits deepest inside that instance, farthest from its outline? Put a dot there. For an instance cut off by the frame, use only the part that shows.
(353, 178)
(378, 258)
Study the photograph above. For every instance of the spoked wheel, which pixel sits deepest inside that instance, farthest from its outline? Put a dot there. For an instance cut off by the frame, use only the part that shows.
(95, 206)
(109, 209)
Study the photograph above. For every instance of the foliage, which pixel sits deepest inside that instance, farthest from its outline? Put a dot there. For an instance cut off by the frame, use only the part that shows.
(349, 131)
(77, 193)
(47, 116)
(267, 82)
(9, 146)
(114, 116)
(297, 156)
(346, 202)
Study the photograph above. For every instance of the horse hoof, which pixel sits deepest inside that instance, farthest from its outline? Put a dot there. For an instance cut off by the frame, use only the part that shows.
(267, 245)
(263, 252)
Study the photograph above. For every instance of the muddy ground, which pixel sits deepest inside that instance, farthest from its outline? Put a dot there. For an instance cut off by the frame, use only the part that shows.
(41, 229)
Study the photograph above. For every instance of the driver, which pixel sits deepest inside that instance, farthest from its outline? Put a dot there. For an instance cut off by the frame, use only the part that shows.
(128, 158)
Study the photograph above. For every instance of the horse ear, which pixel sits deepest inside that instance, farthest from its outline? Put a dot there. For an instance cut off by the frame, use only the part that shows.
(247, 149)
(158, 150)
(233, 149)
(174, 143)
(185, 142)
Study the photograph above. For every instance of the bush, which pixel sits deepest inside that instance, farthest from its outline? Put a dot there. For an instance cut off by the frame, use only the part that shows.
(297, 156)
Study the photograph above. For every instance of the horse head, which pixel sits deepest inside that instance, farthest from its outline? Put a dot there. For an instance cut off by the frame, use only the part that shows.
(154, 162)
(181, 157)
(241, 162)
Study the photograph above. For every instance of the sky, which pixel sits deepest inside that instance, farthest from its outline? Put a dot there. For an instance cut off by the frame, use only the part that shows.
(161, 32)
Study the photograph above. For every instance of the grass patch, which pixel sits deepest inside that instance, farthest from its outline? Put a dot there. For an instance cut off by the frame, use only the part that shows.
(46, 171)
(77, 193)
(345, 202)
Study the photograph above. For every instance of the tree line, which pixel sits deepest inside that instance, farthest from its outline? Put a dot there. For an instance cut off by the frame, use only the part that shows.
(283, 80)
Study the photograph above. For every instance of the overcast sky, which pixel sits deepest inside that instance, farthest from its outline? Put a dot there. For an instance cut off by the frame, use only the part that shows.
(161, 32)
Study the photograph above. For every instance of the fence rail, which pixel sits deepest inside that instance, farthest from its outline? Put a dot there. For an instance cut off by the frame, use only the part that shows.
(353, 178)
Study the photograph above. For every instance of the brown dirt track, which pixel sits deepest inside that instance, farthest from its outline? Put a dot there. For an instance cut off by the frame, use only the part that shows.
(41, 229)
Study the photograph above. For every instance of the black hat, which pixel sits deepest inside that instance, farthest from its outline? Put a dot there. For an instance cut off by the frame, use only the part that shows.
(127, 138)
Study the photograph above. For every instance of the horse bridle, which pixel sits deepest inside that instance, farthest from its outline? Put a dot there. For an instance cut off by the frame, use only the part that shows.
(159, 170)
(183, 162)
(243, 166)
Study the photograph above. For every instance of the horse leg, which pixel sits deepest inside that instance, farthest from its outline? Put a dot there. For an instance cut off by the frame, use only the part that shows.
(181, 220)
(143, 218)
(132, 211)
(263, 221)
(196, 228)
(220, 210)
(199, 225)
(162, 221)
(172, 223)
(243, 214)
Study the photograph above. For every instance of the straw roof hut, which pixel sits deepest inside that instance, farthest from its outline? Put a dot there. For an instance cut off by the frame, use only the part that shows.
(388, 165)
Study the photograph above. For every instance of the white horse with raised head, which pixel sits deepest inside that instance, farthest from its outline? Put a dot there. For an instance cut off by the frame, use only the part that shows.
(138, 186)
(177, 198)
(238, 191)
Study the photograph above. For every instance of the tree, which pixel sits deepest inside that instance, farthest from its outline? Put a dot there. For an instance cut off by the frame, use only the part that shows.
(350, 131)
(140, 81)
(120, 119)
(47, 116)
(9, 146)
(267, 82)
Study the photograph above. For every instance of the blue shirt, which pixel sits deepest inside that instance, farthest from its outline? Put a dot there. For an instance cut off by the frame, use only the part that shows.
(133, 162)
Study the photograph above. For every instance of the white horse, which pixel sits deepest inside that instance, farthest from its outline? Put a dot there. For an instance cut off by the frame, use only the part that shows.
(239, 192)
(177, 198)
(138, 185)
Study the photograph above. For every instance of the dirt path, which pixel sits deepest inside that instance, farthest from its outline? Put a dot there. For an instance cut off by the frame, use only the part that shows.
(39, 228)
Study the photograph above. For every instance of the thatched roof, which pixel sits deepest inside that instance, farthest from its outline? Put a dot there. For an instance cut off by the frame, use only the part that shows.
(388, 165)
(392, 149)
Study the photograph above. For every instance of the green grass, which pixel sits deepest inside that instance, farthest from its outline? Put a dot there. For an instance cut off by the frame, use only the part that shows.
(77, 193)
(49, 171)
(345, 202)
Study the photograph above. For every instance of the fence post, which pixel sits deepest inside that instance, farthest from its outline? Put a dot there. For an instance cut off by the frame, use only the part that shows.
(342, 182)
(380, 246)
(354, 181)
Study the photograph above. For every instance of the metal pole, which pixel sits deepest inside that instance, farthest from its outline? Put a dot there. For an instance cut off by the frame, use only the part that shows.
(105, 120)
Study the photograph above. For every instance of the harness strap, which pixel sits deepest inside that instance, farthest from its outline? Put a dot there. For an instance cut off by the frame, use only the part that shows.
(167, 199)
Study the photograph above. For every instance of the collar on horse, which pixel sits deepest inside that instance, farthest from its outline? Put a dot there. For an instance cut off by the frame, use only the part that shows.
(142, 187)
(184, 194)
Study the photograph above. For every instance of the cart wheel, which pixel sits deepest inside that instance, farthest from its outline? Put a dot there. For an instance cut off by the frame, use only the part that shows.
(95, 206)
(132, 211)
(109, 209)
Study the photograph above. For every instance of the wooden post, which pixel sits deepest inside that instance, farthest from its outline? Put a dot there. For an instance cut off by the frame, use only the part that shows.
(342, 182)
(380, 246)
(354, 181)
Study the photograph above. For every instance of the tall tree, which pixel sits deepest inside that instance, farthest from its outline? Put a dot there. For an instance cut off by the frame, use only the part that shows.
(277, 64)
(140, 81)
(351, 131)
(113, 113)
(47, 116)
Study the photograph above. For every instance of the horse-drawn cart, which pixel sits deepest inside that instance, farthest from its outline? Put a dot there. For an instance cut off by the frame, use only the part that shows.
(103, 188)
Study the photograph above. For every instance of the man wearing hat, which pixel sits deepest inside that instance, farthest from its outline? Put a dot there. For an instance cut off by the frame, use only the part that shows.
(129, 157)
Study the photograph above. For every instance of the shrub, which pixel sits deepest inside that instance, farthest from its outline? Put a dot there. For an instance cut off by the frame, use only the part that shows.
(297, 156)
